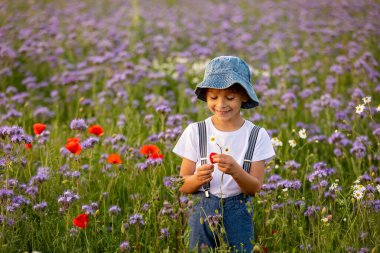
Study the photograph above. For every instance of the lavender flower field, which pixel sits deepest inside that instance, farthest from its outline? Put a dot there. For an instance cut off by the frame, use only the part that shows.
(94, 94)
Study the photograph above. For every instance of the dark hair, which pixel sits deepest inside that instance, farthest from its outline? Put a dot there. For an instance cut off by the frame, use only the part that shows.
(235, 88)
(238, 89)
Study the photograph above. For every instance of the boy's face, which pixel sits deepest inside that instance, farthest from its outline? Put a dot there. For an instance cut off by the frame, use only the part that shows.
(225, 104)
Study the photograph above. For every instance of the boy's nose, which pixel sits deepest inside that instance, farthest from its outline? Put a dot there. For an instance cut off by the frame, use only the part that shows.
(221, 102)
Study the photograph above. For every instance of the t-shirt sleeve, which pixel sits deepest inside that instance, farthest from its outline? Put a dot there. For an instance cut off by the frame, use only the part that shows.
(264, 148)
(187, 144)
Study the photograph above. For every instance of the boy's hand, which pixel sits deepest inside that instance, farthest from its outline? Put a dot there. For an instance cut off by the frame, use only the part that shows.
(204, 172)
(226, 163)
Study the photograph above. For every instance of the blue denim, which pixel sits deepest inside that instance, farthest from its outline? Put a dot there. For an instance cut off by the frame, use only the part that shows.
(237, 223)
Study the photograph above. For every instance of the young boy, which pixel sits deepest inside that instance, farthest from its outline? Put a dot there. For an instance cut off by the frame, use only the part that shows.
(223, 157)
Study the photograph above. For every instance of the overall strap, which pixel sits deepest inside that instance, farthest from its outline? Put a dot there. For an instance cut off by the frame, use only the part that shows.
(203, 150)
(251, 148)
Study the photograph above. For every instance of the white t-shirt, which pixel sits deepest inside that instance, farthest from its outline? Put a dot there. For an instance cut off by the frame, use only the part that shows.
(233, 143)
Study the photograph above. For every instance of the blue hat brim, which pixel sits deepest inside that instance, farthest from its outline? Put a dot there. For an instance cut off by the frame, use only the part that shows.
(224, 81)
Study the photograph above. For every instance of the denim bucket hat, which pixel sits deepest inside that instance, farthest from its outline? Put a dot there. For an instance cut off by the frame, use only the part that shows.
(224, 71)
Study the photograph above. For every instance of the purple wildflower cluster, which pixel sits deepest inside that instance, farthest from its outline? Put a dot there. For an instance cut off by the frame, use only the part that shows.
(91, 208)
(276, 182)
(214, 221)
(173, 183)
(114, 210)
(78, 124)
(14, 134)
(66, 200)
(319, 175)
(167, 210)
(124, 246)
(173, 129)
(135, 219)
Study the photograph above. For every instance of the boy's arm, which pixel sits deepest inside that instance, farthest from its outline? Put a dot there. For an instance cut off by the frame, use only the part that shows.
(194, 181)
(251, 183)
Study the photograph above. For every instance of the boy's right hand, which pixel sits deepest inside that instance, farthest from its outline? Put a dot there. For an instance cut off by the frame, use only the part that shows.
(204, 173)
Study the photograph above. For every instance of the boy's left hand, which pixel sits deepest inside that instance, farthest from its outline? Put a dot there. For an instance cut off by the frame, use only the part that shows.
(226, 163)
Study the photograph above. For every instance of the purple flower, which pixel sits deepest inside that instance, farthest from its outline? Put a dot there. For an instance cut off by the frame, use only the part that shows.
(164, 233)
(118, 138)
(363, 250)
(337, 69)
(78, 124)
(43, 174)
(89, 142)
(3, 162)
(214, 220)
(274, 178)
(136, 219)
(289, 184)
(299, 203)
(114, 210)
(173, 182)
(12, 182)
(277, 206)
(40, 207)
(66, 199)
(5, 194)
(90, 209)
(358, 149)
(312, 210)
(291, 165)
(366, 177)
(43, 112)
(124, 246)
(363, 235)
(164, 109)
(32, 191)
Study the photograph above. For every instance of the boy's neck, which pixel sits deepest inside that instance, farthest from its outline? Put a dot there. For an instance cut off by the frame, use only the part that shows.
(227, 126)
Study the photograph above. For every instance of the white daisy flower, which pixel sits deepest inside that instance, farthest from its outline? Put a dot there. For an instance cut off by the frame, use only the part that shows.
(333, 187)
(358, 194)
(302, 133)
(292, 143)
(359, 109)
(276, 142)
(367, 100)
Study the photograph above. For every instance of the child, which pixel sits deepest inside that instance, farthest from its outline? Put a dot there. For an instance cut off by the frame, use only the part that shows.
(223, 157)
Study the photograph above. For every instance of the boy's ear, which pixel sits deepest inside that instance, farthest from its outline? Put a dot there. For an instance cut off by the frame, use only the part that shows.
(245, 98)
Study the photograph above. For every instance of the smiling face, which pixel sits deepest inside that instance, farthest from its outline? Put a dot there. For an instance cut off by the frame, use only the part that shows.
(225, 104)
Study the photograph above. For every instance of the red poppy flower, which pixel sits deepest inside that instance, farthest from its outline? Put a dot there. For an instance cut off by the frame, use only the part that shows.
(81, 220)
(156, 156)
(114, 159)
(28, 145)
(38, 128)
(96, 129)
(211, 155)
(74, 139)
(74, 147)
(149, 149)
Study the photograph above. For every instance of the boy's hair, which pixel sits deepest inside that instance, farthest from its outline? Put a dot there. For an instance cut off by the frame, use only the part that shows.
(238, 89)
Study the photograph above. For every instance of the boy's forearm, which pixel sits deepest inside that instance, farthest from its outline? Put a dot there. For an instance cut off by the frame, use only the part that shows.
(247, 183)
(191, 184)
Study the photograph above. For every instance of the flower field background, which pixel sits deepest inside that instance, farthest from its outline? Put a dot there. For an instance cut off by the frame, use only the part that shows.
(94, 94)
